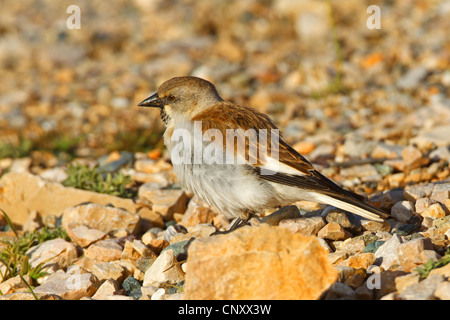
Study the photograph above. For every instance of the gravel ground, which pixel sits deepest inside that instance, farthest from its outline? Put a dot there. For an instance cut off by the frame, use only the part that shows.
(369, 108)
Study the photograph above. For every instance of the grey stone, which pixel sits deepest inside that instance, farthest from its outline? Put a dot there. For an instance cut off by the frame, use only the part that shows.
(423, 290)
(402, 211)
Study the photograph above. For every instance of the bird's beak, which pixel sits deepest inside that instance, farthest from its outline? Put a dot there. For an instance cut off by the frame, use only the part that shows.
(152, 101)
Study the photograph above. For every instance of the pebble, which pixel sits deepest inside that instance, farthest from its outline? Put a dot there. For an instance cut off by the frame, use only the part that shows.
(416, 252)
(14, 283)
(69, 287)
(443, 291)
(366, 172)
(158, 294)
(136, 249)
(54, 174)
(165, 270)
(441, 153)
(285, 213)
(164, 202)
(422, 204)
(306, 226)
(434, 211)
(104, 250)
(84, 236)
(20, 165)
(56, 252)
(132, 288)
(373, 246)
(412, 78)
(441, 192)
(438, 136)
(195, 215)
(414, 192)
(333, 231)
(403, 211)
(104, 218)
(373, 226)
(33, 222)
(404, 281)
(359, 260)
(423, 290)
(108, 270)
(353, 245)
(346, 220)
(385, 151)
(339, 290)
(387, 254)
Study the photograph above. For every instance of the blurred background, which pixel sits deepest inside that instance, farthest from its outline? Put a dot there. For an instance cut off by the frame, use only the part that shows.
(333, 85)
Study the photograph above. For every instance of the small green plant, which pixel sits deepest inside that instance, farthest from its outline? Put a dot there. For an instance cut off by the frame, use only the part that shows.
(13, 253)
(425, 270)
(83, 177)
(138, 140)
(8, 150)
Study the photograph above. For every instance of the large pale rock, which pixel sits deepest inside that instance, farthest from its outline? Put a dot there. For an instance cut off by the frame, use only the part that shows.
(103, 218)
(258, 263)
(22, 192)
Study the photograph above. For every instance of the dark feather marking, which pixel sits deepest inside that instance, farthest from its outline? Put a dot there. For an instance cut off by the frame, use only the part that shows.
(317, 182)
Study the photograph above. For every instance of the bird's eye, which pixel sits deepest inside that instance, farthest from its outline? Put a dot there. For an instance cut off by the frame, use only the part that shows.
(171, 97)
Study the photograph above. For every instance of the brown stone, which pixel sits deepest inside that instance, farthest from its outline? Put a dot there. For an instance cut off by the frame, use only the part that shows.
(257, 263)
(305, 226)
(165, 202)
(56, 251)
(416, 252)
(136, 249)
(70, 286)
(104, 218)
(196, 215)
(334, 231)
(412, 158)
(104, 250)
(84, 236)
(21, 193)
(150, 219)
(359, 260)
(436, 210)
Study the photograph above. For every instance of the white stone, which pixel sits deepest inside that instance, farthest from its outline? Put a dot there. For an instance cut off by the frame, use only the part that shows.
(165, 270)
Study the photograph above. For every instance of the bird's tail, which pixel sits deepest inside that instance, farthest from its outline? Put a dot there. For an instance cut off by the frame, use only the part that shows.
(352, 205)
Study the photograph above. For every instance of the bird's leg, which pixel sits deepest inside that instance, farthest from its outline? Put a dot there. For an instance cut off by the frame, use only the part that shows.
(238, 223)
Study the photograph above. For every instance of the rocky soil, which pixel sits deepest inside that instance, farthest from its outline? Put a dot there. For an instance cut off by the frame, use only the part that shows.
(370, 109)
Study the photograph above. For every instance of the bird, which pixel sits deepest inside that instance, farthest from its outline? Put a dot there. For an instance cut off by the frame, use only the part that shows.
(240, 181)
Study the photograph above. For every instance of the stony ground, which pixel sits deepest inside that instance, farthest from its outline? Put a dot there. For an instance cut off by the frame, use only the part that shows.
(370, 109)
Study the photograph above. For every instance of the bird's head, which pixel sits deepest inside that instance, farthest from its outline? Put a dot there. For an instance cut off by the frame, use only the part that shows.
(183, 96)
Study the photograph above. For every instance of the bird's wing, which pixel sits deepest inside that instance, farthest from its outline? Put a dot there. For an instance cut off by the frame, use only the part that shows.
(258, 150)
(279, 164)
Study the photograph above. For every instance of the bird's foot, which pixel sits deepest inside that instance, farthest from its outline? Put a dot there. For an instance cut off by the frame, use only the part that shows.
(238, 223)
